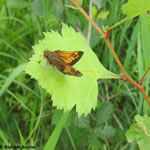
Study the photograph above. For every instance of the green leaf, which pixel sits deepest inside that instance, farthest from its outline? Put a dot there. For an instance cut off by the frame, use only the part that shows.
(2, 2)
(52, 141)
(98, 3)
(11, 78)
(79, 135)
(80, 2)
(93, 142)
(37, 7)
(140, 132)
(107, 132)
(136, 7)
(17, 4)
(57, 115)
(3, 138)
(22, 140)
(68, 91)
(104, 113)
(149, 22)
(82, 122)
(132, 9)
(145, 36)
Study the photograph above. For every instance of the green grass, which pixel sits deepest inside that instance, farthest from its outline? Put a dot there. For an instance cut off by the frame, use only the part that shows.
(27, 114)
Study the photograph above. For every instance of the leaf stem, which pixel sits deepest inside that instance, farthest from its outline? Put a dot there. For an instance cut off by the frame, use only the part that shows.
(141, 83)
(106, 37)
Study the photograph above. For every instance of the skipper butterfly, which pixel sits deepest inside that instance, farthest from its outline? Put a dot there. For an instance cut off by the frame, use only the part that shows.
(64, 60)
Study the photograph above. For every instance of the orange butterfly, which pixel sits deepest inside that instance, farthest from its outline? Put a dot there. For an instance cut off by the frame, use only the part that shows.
(64, 60)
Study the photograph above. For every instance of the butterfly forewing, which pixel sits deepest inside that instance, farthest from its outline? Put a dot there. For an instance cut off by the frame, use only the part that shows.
(69, 57)
(63, 61)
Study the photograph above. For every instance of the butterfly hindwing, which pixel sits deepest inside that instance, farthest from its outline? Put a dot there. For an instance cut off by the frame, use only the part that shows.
(67, 69)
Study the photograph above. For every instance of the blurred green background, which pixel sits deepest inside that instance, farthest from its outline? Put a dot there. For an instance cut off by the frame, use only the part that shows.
(26, 113)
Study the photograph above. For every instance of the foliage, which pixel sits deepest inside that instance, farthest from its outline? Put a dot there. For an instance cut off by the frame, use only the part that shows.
(68, 91)
(140, 132)
(132, 9)
(28, 116)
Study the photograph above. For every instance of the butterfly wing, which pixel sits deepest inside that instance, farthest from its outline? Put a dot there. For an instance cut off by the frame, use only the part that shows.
(67, 69)
(69, 57)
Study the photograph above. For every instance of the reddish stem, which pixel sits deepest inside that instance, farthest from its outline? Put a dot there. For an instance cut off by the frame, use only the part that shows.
(107, 33)
(141, 83)
(75, 3)
(123, 79)
(113, 51)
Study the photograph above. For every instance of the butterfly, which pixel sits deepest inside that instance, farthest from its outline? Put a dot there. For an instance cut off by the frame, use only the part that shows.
(64, 60)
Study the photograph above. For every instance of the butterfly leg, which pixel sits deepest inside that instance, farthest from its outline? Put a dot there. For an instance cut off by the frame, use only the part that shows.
(40, 59)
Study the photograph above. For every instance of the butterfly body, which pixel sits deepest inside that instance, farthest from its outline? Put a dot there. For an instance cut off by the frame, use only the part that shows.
(63, 61)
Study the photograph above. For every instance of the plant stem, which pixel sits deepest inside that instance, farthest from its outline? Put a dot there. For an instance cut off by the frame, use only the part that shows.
(88, 18)
(141, 83)
(113, 51)
(90, 26)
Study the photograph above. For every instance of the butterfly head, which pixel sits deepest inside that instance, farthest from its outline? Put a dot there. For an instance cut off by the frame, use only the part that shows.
(46, 53)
